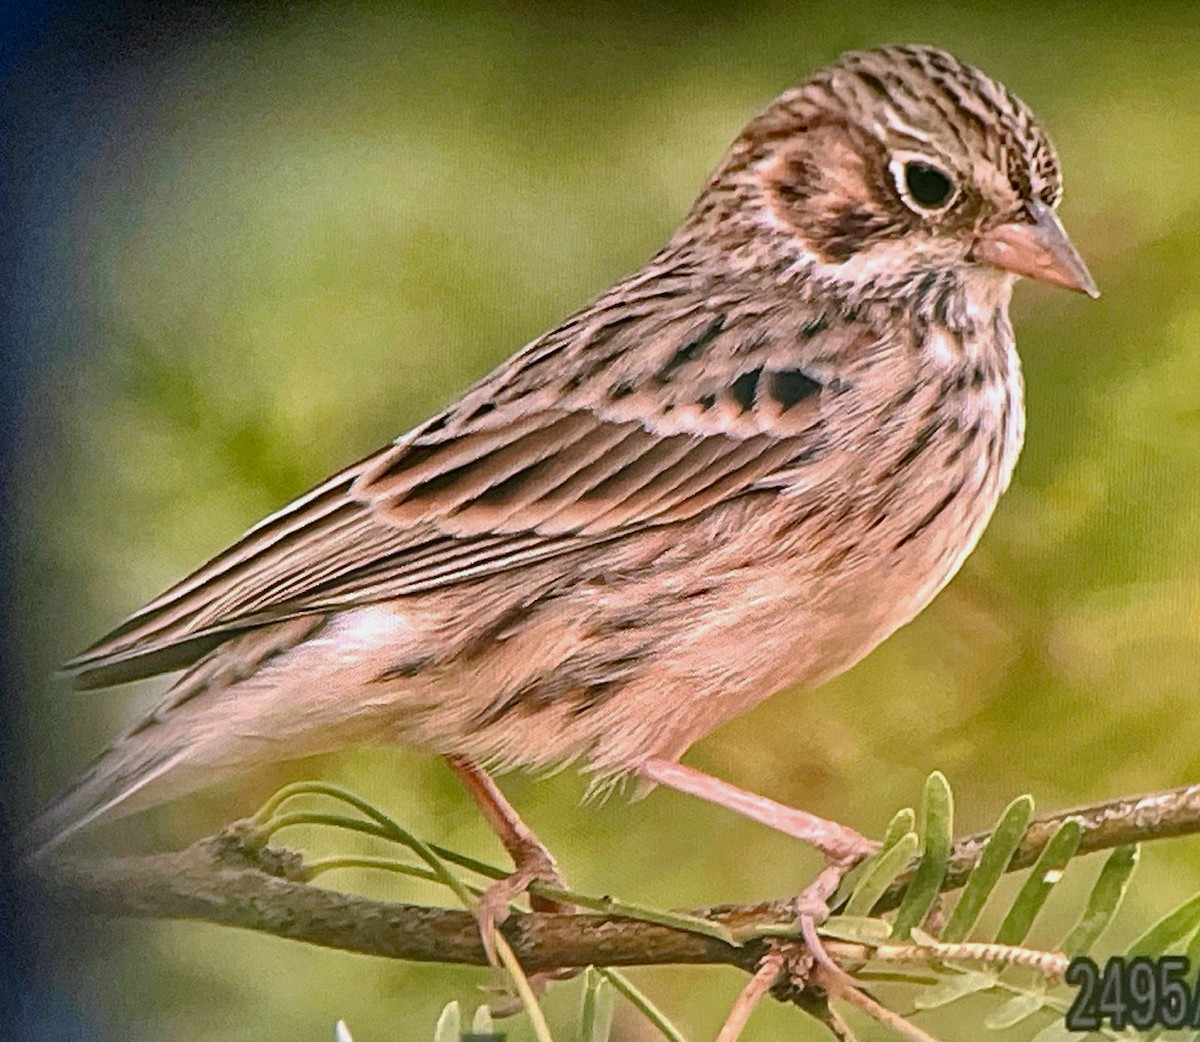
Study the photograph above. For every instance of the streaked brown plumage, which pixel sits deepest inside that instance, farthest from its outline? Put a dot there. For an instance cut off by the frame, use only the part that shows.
(740, 468)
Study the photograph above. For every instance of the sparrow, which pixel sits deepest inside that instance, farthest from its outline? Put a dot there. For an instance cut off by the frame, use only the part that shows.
(738, 470)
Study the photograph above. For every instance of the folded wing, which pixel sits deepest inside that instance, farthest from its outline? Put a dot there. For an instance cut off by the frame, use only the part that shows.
(523, 468)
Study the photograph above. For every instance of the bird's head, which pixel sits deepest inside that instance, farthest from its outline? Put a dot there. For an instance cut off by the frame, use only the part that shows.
(889, 170)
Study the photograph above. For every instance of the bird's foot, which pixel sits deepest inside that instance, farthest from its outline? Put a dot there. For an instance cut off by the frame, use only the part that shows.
(532, 863)
(812, 902)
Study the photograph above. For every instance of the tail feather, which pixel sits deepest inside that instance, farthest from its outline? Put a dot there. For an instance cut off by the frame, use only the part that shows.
(109, 788)
(190, 736)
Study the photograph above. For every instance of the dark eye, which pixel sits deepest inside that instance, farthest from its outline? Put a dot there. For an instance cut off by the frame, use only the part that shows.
(926, 185)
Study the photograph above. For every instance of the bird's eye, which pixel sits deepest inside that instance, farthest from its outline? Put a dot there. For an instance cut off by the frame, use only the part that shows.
(924, 186)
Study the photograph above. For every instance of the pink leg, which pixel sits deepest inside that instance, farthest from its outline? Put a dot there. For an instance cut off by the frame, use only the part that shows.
(837, 842)
(532, 862)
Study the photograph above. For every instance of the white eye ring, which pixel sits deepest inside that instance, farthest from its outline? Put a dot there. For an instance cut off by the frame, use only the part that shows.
(923, 184)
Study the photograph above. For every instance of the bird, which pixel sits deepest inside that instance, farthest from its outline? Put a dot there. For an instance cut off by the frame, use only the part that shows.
(737, 470)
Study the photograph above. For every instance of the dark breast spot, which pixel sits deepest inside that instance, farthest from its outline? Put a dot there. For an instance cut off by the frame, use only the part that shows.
(526, 700)
(918, 445)
(941, 307)
(745, 387)
(406, 669)
(789, 386)
(589, 697)
(904, 397)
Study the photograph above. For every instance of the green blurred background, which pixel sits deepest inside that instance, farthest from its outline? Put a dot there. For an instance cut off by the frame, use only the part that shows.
(257, 242)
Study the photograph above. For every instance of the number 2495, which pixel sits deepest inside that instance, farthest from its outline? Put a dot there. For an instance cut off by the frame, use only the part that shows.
(1139, 992)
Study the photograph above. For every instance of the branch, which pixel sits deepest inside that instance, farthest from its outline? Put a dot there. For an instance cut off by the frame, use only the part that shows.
(220, 880)
(224, 880)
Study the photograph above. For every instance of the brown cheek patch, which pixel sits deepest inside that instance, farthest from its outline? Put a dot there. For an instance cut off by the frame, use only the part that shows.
(836, 202)
(798, 180)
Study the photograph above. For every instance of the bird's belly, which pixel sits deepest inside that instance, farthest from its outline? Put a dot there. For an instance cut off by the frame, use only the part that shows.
(598, 679)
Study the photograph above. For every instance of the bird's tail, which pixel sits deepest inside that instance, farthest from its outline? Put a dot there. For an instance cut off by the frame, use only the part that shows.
(195, 735)
(114, 785)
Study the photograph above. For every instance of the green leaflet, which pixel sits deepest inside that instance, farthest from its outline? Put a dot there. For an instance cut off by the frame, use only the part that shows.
(596, 1012)
(952, 989)
(903, 822)
(1171, 928)
(449, 1024)
(1012, 1012)
(1104, 901)
(857, 929)
(937, 828)
(880, 872)
(1045, 873)
(996, 856)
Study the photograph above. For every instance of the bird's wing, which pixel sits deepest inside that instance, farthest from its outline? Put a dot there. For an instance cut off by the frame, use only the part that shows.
(622, 418)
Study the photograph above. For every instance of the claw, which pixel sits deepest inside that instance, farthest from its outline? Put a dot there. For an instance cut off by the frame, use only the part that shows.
(535, 866)
(813, 901)
(495, 905)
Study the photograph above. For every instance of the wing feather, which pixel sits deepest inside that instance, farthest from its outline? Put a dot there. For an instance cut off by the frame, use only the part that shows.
(556, 451)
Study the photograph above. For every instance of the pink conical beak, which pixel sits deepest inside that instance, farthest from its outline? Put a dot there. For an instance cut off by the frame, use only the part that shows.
(1038, 247)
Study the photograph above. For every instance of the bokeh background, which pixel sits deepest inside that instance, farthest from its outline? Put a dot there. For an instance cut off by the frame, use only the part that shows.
(254, 242)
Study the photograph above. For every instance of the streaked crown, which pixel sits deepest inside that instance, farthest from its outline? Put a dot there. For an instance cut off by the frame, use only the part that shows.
(925, 98)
